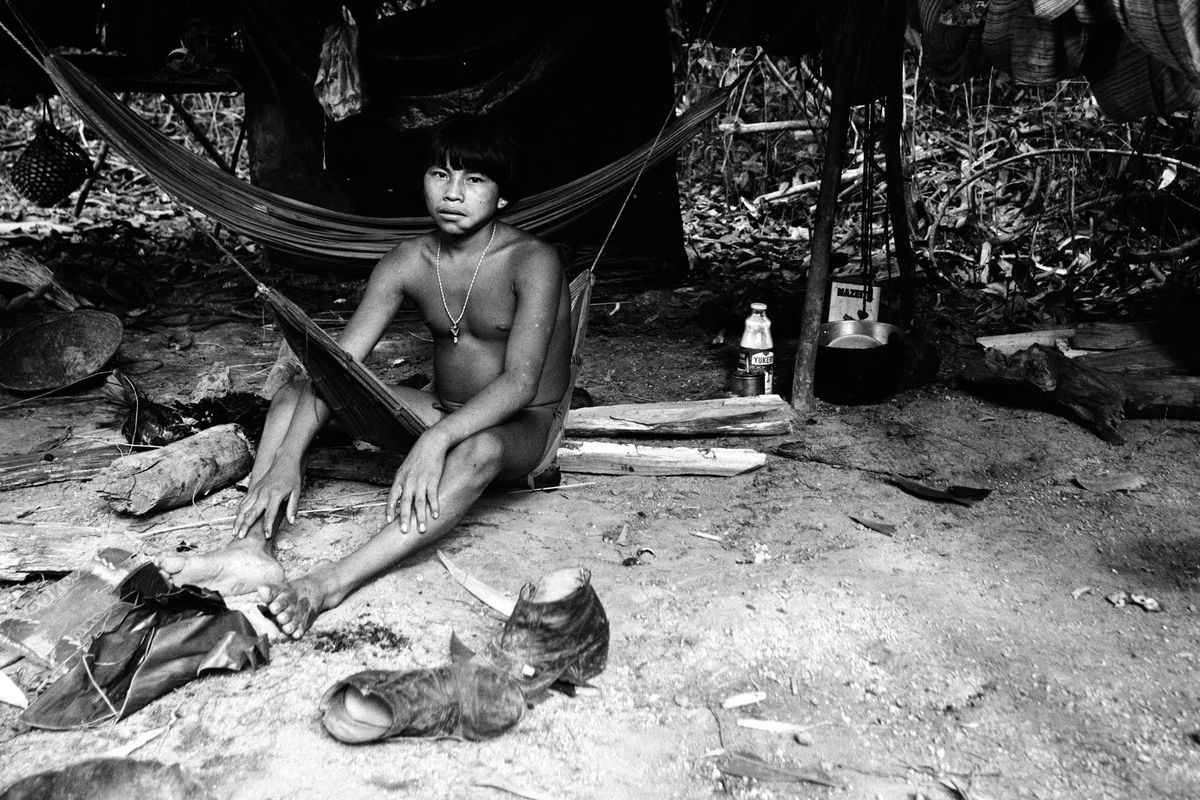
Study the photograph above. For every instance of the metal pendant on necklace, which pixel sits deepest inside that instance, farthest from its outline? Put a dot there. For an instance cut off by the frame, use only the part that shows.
(437, 267)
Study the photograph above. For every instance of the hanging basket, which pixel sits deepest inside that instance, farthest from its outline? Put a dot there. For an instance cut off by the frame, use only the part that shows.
(51, 167)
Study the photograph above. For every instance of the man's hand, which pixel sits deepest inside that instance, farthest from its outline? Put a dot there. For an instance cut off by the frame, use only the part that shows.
(278, 491)
(414, 495)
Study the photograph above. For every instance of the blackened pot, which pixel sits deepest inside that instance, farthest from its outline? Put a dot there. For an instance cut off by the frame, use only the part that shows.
(858, 362)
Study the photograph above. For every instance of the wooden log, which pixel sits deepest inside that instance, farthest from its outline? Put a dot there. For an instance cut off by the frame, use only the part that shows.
(45, 547)
(1162, 396)
(56, 466)
(177, 474)
(764, 415)
(1180, 358)
(610, 458)
(1091, 397)
(1115, 335)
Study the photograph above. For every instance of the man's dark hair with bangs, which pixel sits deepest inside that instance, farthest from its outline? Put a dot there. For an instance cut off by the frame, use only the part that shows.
(474, 142)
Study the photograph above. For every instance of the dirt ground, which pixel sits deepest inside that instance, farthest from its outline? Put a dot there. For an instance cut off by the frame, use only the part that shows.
(972, 654)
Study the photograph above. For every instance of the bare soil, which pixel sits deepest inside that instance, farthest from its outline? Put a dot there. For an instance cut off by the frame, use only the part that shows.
(971, 654)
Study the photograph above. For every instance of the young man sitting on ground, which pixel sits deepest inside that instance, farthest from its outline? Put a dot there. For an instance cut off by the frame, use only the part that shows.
(498, 307)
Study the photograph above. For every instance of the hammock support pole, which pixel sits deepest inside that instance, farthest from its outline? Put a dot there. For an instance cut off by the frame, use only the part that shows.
(822, 245)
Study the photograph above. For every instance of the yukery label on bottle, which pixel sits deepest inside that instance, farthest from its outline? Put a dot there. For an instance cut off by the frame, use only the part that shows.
(759, 361)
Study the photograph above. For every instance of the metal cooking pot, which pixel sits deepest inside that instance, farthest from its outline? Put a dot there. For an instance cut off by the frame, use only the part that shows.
(858, 361)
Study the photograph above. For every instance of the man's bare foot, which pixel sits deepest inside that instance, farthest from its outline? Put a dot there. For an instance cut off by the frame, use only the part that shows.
(295, 605)
(240, 567)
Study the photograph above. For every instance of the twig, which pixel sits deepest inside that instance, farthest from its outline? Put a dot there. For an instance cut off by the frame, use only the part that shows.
(1179, 251)
(783, 195)
(305, 513)
(792, 90)
(190, 123)
(558, 488)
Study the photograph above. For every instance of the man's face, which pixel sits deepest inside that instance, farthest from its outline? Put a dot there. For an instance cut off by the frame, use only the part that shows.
(461, 200)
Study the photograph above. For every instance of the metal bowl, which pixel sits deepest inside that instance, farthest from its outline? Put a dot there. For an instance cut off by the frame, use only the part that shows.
(857, 334)
(858, 361)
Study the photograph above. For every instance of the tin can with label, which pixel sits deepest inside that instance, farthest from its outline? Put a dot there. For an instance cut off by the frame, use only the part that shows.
(748, 384)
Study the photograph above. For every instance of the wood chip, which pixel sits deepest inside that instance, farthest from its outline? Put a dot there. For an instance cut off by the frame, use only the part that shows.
(772, 726)
(11, 694)
(486, 594)
(743, 699)
(137, 742)
(1116, 482)
(529, 794)
(886, 528)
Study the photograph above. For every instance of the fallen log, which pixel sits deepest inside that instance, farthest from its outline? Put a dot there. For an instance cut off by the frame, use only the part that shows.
(609, 458)
(80, 463)
(764, 415)
(1115, 335)
(1161, 396)
(177, 474)
(1178, 358)
(1089, 396)
(32, 548)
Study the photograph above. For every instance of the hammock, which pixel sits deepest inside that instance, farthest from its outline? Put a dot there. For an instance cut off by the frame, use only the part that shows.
(364, 404)
(299, 227)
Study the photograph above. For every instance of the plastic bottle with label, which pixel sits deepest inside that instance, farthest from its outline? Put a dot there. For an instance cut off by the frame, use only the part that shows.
(757, 351)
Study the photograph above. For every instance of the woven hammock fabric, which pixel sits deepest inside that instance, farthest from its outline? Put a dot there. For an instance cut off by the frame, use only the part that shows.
(364, 404)
(299, 227)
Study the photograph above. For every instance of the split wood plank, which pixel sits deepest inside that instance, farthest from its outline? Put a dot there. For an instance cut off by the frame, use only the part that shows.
(610, 458)
(598, 458)
(56, 466)
(764, 415)
(1010, 343)
(46, 547)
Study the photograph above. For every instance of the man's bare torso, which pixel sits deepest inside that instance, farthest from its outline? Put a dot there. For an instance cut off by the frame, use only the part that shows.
(461, 370)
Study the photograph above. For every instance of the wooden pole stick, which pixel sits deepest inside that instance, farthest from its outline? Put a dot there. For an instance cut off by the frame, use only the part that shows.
(190, 123)
(769, 127)
(822, 240)
(897, 194)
